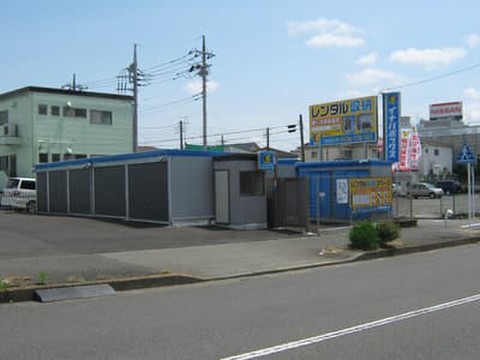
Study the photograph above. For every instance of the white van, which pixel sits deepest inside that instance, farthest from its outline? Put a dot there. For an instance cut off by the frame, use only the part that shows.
(20, 194)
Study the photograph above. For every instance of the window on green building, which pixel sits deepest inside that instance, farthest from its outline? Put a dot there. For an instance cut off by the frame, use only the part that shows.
(56, 157)
(42, 158)
(55, 110)
(42, 109)
(4, 117)
(69, 111)
(99, 117)
(8, 164)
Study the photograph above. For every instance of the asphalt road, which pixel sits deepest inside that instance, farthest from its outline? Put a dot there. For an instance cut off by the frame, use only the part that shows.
(227, 318)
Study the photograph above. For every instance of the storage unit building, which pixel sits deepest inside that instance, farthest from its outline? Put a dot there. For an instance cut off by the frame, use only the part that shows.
(166, 187)
(169, 187)
(348, 190)
(240, 199)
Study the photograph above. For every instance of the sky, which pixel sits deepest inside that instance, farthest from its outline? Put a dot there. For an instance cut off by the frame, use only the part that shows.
(272, 59)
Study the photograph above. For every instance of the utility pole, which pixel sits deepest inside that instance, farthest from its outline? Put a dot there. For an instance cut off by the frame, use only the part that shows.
(302, 141)
(133, 72)
(203, 73)
(73, 85)
(181, 134)
(268, 138)
(136, 77)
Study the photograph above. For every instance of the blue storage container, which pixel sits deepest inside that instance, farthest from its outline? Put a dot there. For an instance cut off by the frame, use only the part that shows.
(324, 203)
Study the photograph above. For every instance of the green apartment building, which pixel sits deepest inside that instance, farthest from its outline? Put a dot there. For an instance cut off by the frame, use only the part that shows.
(39, 125)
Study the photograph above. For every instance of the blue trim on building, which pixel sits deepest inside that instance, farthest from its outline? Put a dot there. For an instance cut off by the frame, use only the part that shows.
(287, 161)
(342, 163)
(128, 157)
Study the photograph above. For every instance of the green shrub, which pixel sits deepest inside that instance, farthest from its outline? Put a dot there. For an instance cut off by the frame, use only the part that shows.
(364, 236)
(387, 231)
(42, 278)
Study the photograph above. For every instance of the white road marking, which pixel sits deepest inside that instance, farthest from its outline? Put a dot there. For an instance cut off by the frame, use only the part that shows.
(352, 330)
(471, 225)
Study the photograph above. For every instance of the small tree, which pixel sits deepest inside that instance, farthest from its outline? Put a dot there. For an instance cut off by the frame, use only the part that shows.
(364, 236)
(387, 231)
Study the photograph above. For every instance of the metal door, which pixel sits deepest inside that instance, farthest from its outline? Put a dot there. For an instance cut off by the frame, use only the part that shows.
(222, 197)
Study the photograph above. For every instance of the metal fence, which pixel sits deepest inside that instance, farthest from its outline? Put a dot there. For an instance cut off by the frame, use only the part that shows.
(406, 207)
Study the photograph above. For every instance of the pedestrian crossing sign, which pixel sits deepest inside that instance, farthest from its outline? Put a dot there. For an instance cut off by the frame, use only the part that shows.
(466, 156)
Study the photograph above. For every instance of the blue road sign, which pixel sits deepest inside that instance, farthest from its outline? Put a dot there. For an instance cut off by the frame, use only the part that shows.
(266, 160)
(466, 156)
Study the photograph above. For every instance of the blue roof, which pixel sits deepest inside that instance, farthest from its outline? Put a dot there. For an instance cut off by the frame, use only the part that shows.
(342, 163)
(128, 157)
(287, 161)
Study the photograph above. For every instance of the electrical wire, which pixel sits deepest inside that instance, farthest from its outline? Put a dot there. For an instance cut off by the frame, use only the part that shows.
(162, 107)
(424, 81)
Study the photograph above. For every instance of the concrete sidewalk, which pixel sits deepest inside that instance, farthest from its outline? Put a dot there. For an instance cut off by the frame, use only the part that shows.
(226, 260)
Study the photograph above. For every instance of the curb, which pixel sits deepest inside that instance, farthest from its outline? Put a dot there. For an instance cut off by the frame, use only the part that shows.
(120, 284)
(416, 249)
(382, 253)
(150, 281)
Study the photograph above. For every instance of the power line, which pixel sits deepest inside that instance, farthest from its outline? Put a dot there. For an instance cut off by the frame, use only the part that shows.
(217, 134)
(157, 127)
(169, 63)
(164, 106)
(452, 73)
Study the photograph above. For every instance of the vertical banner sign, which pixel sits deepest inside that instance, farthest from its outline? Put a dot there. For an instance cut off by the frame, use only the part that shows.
(416, 151)
(405, 147)
(391, 127)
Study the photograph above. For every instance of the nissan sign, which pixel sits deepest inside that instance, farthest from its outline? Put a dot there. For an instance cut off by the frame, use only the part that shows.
(451, 110)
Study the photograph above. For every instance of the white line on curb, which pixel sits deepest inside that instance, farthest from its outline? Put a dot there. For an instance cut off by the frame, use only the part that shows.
(352, 330)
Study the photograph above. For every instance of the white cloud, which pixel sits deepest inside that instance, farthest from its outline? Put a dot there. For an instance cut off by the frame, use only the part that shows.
(472, 93)
(327, 33)
(428, 58)
(473, 40)
(368, 59)
(330, 40)
(472, 104)
(350, 94)
(195, 87)
(370, 77)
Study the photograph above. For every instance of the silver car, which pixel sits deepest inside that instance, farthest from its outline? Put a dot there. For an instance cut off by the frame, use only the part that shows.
(423, 189)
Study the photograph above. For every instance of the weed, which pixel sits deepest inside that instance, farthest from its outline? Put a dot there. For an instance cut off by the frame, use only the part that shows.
(42, 278)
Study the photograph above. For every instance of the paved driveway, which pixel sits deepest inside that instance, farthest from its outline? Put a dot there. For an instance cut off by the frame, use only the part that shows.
(23, 235)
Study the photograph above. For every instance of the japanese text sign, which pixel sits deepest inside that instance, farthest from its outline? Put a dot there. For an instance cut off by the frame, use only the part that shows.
(344, 122)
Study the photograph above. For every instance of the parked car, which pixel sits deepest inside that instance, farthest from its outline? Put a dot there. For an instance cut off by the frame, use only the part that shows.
(424, 190)
(20, 194)
(449, 186)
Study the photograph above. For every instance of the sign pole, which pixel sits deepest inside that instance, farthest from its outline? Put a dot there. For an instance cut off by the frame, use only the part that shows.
(317, 188)
(469, 175)
(466, 157)
(473, 193)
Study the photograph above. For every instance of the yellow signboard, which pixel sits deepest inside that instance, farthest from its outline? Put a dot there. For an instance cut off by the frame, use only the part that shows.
(344, 122)
(371, 192)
